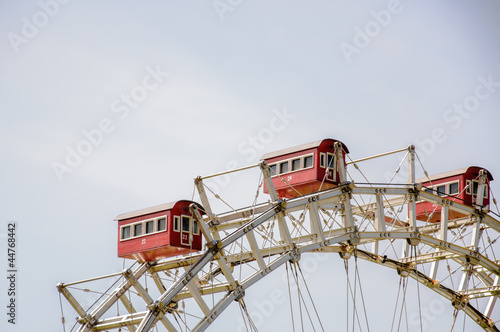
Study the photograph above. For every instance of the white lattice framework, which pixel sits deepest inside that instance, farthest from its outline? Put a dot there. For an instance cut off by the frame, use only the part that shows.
(257, 240)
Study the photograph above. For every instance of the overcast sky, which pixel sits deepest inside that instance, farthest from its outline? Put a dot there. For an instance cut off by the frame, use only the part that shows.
(115, 106)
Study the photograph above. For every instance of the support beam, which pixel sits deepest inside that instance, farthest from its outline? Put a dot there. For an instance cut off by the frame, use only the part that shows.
(111, 299)
(492, 301)
(483, 177)
(443, 235)
(71, 299)
(347, 217)
(315, 219)
(120, 321)
(194, 288)
(204, 200)
(128, 305)
(203, 226)
(379, 224)
(266, 173)
(283, 228)
(147, 298)
(256, 250)
(412, 207)
(476, 233)
(158, 282)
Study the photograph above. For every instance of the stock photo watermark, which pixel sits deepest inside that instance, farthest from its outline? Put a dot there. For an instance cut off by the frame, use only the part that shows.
(470, 103)
(428, 314)
(32, 26)
(454, 117)
(12, 272)
(121, 107)
(254, 144)
(222, 7)
(265, 308)
(364, 35)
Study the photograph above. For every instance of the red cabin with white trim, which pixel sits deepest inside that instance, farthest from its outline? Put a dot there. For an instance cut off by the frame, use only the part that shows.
(158, 232)
(459, 186)
(304, 169)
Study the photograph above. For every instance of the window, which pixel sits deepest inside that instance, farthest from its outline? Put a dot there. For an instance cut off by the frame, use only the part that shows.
(196, 231)
(441, 190)
(137, 229)
(176, 224)
(308, 161)
(330, 160)
(284, 167)
(429, 190)
(273, 170)
(322, 160)
(469, 185)
(453, 188)
(150, 226)
(161, 224)
(185, 223)
(475, 185)
(295, 164)
(125, 232)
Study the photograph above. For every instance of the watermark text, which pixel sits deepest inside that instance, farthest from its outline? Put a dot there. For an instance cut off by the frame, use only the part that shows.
(122, 106)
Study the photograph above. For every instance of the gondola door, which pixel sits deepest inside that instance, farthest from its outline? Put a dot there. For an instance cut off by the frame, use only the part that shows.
(186, 231)
(331, 174)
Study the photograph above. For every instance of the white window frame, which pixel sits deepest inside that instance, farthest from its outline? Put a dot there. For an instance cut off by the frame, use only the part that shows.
(156, 224)
(322, 160)
(291, 164)
(468, 191)
(197, 227)
(143, 222)
(438, 192)
(303, 161)
(448, 184)
(121, 232)
(289, 161)
(472, 188)
(446, 188)
(178, 224)
(275, 173)
(333, 158)
(281, 163)
(145, 226)
(142, 228)
(189, 224)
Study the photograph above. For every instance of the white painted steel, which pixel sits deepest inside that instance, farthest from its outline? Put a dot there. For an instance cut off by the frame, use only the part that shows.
(336, 223)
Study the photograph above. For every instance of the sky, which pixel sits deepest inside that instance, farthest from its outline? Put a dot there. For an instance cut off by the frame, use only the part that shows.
(116, 106)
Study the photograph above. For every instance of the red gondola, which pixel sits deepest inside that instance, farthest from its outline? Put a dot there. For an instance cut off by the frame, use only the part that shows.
(459, 186)
(304, 169)
(158, 232)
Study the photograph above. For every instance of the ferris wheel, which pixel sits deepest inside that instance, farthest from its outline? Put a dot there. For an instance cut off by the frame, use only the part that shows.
(439, 234)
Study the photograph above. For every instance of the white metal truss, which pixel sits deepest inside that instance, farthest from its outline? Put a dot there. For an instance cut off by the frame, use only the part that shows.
(268, 235)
